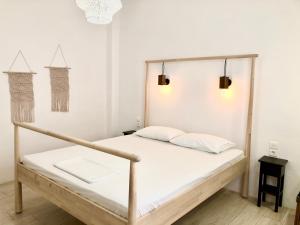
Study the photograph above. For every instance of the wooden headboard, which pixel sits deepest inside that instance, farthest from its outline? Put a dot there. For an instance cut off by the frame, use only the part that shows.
(173, 116)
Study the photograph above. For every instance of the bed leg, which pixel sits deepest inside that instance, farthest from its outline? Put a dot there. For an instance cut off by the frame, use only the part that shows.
(245, 185)
(132, 208)
(18, 197)
(18, 185)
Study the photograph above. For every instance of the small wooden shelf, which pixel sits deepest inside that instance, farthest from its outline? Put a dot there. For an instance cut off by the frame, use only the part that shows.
(269, 189)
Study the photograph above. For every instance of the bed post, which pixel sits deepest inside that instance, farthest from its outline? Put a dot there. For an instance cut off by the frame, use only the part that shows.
(146, 96)
(18, 185)
(132, 207)
(245, 179)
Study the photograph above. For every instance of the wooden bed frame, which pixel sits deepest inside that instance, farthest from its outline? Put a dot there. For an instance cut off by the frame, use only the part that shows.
(91, 213)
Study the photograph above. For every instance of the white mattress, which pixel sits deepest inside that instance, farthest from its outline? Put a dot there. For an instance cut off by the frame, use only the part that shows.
(165, 171)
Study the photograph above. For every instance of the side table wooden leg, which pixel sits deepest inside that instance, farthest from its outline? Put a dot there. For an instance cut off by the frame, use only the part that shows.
(259, 189)
(281, 190)
(264, 194)
(278, 188)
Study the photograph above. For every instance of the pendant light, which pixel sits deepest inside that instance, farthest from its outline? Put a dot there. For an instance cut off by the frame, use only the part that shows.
(99, 11)
(225, 81)
(162, 79)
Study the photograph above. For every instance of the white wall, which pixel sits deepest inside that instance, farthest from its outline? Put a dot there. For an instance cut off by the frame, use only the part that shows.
(180, 28)
(37, 27)
(113, 77)
(194, 103)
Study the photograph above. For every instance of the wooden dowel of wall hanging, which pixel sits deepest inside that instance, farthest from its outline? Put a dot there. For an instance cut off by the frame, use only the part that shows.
(223, 57)
(57, 67)
(8, 72)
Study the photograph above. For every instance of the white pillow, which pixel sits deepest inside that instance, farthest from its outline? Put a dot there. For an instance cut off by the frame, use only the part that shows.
(203, 142)
(159, 133)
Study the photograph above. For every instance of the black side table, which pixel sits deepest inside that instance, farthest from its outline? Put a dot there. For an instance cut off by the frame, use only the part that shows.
(274, 167)
(129, 132)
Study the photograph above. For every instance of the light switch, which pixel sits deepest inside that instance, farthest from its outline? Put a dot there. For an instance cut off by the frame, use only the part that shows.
(273, 148)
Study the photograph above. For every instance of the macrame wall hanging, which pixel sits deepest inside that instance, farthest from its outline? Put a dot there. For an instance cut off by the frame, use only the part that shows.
(21, 92)
(59, 77)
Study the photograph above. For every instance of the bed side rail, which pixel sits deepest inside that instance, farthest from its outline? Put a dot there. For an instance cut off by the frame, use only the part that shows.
(132, 203)
(81, 142)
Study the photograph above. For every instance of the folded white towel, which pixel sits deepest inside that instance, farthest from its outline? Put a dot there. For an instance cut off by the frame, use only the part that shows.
(86, 170)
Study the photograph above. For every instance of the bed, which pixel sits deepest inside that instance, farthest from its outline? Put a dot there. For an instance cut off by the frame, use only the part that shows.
(141, 188)
(158, 179)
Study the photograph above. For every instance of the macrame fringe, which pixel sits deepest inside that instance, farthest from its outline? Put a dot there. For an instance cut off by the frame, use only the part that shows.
(22, 112)
(60, 102)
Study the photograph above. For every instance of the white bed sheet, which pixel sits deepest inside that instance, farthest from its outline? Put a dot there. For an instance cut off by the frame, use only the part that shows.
(165, 171)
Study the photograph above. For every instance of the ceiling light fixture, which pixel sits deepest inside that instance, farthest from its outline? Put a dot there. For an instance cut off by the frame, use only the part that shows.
(99, 11)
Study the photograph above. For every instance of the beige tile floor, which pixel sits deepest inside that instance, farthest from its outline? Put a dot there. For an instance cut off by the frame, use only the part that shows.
(224, 208)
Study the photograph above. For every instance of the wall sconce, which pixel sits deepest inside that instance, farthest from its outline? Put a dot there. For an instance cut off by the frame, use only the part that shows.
(225, 81)
(162, 79)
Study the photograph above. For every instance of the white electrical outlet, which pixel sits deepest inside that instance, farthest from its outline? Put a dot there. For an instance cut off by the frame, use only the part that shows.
(273, 148)
(138, 123)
